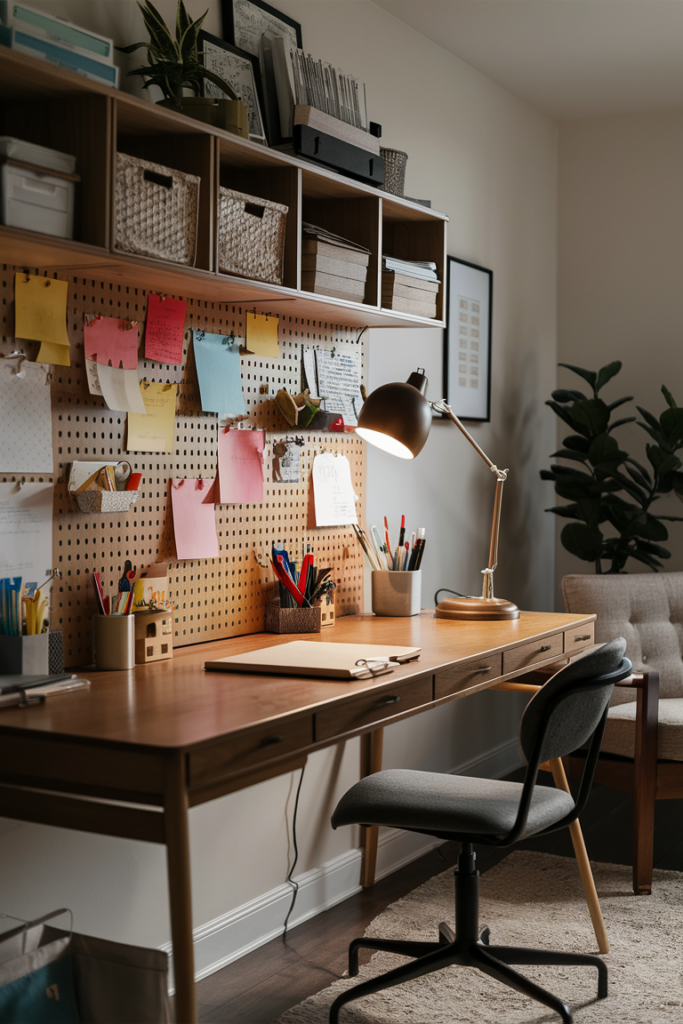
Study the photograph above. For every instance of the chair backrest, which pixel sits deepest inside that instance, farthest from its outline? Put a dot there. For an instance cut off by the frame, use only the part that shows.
(647, 610)
(570, 717)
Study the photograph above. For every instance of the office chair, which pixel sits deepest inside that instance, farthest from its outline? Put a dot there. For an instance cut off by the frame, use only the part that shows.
(566, 712)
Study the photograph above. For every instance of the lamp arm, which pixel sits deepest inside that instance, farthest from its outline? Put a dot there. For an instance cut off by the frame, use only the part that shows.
(501, 476)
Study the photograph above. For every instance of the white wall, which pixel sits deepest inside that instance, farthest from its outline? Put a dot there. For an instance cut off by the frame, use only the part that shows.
(620, 267)
(488, 161)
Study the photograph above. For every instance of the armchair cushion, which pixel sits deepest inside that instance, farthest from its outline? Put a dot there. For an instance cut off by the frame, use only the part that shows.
(619, 735)
(647, 610)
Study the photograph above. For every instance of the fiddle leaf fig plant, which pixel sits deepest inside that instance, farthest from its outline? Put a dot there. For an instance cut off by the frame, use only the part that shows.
(174, 63)
(608, 493)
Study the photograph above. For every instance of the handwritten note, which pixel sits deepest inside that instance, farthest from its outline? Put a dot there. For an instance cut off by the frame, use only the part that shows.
(217, 359)
(164, 329)
(40, 315)
(120, 389)
(110, 341)
(262, 335)
(335, 500)
(339, 382)
(153, 432)
(194, 521)
(25, 418)
(240, 466)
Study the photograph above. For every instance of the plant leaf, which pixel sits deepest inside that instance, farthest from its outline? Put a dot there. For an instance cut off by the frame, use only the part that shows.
(565, 415)
(619, 401)
(583, 541)
(592, 414)
(566, 453)
(567, 395)
(577, 443)
(606, 373)
(671, 401)
(565, 511)
(620, 423)
(586, 374)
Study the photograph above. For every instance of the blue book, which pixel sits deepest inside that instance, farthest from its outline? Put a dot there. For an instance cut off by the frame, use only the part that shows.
(86, 66)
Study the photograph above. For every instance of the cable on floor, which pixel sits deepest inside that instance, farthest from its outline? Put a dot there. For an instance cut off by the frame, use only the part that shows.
(294, 885)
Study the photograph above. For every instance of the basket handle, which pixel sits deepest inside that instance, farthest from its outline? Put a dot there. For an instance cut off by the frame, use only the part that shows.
(254, 209)
(158, 179)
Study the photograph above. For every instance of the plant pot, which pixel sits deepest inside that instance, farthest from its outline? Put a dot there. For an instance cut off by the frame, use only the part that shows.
(230, 115)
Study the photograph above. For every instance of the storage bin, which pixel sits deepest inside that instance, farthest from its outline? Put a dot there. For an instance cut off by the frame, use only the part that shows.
(251, 236)
(156, 210)
(105, 501)
(32, 197)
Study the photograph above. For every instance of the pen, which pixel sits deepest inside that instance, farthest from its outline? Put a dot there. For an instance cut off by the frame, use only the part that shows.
(402, 532)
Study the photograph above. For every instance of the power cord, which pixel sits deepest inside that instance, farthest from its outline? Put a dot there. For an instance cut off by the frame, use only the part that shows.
(448, 591)
(294, 885)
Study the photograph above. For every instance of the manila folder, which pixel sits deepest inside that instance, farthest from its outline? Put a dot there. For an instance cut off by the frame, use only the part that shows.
(311, 658)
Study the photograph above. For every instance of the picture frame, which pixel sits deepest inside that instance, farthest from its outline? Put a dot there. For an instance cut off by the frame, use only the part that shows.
(242, 71)
(467, 339)
(244, 22)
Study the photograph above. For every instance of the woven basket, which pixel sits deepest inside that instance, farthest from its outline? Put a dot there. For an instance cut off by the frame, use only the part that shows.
(394, 170)
(106, 501)
(251, 236)
(156, 210)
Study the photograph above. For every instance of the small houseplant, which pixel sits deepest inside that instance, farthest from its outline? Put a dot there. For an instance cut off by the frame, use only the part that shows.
(174, 66)
(609, 495)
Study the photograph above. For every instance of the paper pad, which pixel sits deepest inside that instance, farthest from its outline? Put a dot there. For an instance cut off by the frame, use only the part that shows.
(310, 658)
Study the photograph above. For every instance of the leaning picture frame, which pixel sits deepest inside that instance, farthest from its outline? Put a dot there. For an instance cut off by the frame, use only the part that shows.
(241, 70)
(467, 339)
(244, 25)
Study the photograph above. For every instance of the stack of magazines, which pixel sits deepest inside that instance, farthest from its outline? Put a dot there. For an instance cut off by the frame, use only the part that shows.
(410, 286)
(332, 265)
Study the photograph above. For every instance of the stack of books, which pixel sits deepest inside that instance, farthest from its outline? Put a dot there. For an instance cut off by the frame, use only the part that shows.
(46, 37)
(409, 286)
(332, 265)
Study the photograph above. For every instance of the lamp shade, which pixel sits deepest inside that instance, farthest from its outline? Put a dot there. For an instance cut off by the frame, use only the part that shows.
(397, 417)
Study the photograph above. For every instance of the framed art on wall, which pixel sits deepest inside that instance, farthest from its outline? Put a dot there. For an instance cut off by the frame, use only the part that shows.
(467, 340)
(240, 70)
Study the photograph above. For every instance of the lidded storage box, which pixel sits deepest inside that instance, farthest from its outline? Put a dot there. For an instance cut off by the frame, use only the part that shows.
(37, 188)
(156, 210)
(251, 236)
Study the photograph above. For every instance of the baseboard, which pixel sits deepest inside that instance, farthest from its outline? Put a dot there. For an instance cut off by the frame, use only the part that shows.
(231, 936)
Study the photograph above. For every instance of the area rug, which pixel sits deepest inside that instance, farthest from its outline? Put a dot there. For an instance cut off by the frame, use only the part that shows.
(530, 899)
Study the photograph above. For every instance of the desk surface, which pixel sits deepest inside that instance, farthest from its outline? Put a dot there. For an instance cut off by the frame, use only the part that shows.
(177, 705)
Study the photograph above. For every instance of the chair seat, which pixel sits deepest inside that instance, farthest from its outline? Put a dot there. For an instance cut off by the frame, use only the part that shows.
(438, 803)
(619, 735)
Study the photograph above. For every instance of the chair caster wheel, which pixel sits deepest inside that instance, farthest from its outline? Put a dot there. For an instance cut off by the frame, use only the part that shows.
(484, 936)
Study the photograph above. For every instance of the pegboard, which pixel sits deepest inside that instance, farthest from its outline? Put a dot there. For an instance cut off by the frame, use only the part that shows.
(214, 598)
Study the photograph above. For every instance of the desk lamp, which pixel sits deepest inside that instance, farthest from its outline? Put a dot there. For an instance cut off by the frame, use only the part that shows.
(397, 418)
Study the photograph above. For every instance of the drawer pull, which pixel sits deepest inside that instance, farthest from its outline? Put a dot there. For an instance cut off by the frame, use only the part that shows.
(268, 741)
(483, 668)
(545, 648)
(586, 636)
(390, 700)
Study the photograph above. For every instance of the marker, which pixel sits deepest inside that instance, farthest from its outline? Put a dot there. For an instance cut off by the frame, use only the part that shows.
(402, 532)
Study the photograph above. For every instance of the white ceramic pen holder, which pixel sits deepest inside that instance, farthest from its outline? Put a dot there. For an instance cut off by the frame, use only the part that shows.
(396, 593)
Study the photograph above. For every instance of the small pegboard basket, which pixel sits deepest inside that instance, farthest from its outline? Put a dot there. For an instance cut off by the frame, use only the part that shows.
(105, 501)
(251, 236)
(156, 210)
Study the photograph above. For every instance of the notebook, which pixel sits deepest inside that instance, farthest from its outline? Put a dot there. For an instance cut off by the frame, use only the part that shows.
(322, 660)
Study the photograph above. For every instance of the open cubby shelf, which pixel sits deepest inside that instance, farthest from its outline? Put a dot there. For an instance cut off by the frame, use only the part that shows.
(49, 106)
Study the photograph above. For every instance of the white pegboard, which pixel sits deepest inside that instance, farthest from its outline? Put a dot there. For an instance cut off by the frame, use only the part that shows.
(214, 598)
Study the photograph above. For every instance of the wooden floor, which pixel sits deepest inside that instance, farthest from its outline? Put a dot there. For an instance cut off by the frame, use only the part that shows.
(262, 985)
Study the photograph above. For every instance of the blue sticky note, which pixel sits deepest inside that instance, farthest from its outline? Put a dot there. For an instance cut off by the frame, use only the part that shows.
(217, 358)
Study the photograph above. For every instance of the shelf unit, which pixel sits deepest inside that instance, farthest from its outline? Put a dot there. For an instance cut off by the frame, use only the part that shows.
(53, 107)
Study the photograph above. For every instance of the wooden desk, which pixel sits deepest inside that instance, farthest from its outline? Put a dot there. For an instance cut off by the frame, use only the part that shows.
(169, 736)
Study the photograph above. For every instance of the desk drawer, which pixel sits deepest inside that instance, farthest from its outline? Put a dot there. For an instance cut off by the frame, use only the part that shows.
(373, 707)
(247, 751)
(453, 680)
(534, 653)
(578, 637)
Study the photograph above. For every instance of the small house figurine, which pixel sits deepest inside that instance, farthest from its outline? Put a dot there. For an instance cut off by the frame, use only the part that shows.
(153, 636)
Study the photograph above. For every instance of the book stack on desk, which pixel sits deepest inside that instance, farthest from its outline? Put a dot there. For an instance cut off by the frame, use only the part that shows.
(332, 265)
(409, 286)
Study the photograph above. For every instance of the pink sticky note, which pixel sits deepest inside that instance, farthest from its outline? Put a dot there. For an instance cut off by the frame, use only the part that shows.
(111, 342)
(240, 466)
(194, 522)
(164, 329)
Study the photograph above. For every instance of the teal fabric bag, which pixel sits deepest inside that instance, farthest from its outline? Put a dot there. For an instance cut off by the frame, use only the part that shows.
(43, 996)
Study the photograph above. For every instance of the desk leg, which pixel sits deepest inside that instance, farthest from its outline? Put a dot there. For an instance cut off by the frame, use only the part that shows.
(180, 890)
(581, 854)
(371, 762)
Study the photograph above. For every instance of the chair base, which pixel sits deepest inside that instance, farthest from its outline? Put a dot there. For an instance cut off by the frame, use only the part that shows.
(467, 947)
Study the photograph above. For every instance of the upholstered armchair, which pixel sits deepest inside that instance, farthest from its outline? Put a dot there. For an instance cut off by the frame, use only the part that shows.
(642, 749)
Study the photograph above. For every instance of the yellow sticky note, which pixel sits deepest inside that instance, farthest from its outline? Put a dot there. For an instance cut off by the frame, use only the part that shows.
(58, 355)
(262, 335)
(40, 309)
(154, 431)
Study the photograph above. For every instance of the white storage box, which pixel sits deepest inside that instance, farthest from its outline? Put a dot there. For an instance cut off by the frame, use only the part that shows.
(36, 188)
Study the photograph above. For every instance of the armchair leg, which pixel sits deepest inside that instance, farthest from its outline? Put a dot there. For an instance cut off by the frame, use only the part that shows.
(643, 835)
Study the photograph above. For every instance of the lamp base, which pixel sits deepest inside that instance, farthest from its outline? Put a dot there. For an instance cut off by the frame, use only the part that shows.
(476, 608)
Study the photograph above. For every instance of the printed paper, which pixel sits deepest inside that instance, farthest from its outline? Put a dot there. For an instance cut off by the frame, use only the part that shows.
(194, 520)
(335, 500)
(339, 382)
(310, 370)
(110, 341)
(240, 466)
(153, 432)
(262, 335)
(217, 359)
(164, 329)
(121, 389)
(25, 417)
(26, 531)
(286, 462)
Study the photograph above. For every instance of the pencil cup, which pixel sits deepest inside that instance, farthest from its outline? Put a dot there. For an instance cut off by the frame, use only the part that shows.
(114, 640)
(24, 655)
(396, 593)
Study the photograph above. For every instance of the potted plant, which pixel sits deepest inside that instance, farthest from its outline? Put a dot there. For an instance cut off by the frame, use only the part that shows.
(174, 66)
